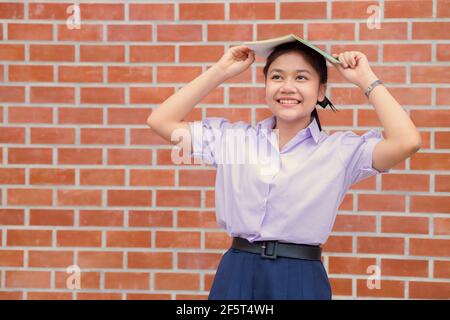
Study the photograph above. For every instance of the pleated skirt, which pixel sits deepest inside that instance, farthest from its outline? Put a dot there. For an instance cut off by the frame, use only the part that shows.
(243, 275)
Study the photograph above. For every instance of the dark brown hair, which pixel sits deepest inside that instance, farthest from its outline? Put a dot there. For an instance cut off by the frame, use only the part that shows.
(315, 59)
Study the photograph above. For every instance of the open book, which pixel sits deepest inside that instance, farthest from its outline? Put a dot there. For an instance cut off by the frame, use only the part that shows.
(264, 47)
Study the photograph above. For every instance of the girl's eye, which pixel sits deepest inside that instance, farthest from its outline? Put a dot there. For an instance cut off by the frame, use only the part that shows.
(297, 77)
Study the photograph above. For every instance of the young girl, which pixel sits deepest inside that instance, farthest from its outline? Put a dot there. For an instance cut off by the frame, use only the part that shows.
(281, 208)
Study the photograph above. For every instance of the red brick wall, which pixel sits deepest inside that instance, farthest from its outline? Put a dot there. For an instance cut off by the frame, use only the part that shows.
(85, 182)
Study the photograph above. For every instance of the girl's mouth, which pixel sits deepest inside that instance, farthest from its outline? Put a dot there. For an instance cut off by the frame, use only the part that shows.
(288, 103)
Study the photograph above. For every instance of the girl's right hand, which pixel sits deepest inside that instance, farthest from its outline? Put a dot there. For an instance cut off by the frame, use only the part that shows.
(236, 60)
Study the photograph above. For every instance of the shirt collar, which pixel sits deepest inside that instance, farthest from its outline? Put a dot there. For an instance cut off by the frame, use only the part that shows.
(312, 129)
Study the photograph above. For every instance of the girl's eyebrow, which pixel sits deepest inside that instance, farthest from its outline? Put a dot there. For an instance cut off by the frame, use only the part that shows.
(298, 70)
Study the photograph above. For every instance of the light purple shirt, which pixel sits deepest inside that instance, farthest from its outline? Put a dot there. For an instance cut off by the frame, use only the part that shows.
(290, 196)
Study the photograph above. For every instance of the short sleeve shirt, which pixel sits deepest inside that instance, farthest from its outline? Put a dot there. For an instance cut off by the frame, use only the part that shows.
(291, 195)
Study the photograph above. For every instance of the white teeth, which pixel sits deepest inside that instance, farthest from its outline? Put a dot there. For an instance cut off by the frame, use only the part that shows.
(289, 101)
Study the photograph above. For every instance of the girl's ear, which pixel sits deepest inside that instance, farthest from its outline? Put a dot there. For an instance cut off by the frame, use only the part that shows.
(322, 91)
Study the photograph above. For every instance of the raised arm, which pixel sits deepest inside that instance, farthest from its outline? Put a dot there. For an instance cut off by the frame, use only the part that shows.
(170, 115)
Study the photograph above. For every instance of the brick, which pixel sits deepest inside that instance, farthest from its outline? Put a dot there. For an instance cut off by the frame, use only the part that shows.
(429, 247)
(101, 11)
(384, 245)
(150, 218)
(97, 259)
(217, 240)
(148, 95)
(27, 279)
(177, 281)
(129, 197)
(88, 32)
(430, 30)
(79, 156)
(338, 244)
(29, 238)
(388, 31)
(103, 136)
(431, 204)
(102, 53)
(354, 223)
(175, 198)
(441, 269)
(441, 226)
(80, 74)
(404, 267)
(127, 116)
(50, 259)
(179, 33)
(12, 94)
(52, 95)
(429, 290)
(219, 32)
(350, 265)
(98, 296)
(129, 74)
(74, 238)
(12, 52)
(49, 295)
(12, 175)
(199, 261)
(347, 9)
(101, 218)
(388, 289)
(300, 10)
(74, 197)
(22, 197)
(417, 9)
(11, 10)
(48, 11)
(181, 239)
(103, 95)
(74, 116)
(130, 33)
(153, 53)
(51, 217)
(30, 31)
(127, 280)
(88, 280)
(141, 11)
(12, 216)
(404, 225)
(30, 73)
(48, 52)
(30, 155)
(341, 287)
(11, 258)
(150, 260)
(102, 177)
(250, 11)
(152, 178)
(134, 239)
(30, 115)
(197, 219)
(52, 136)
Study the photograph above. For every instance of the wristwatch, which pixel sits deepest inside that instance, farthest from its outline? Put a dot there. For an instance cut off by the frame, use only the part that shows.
(371, 86)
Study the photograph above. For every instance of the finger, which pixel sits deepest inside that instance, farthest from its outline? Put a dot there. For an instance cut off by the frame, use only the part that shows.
(352, 59)
(342, 58)
(348, 58)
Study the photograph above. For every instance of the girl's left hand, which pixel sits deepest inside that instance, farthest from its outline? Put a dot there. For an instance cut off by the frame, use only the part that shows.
(354, 67)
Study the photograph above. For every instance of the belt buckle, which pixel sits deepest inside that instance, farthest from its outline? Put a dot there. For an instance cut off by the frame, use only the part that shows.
(264, 248)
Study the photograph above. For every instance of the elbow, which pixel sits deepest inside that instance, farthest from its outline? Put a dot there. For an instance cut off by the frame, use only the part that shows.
(151, 121)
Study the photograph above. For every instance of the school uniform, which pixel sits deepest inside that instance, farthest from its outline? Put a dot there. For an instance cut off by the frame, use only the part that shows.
(266, 198)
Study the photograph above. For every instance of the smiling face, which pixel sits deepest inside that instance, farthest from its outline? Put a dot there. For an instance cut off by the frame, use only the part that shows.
(291, 76)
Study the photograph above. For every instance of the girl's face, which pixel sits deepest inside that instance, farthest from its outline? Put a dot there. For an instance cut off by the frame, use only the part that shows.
(284, 81)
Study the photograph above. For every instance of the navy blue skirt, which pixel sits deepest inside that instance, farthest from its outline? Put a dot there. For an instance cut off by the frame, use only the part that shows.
(243, 275)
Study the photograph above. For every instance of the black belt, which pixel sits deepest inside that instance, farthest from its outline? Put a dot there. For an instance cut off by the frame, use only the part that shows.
(274, 249)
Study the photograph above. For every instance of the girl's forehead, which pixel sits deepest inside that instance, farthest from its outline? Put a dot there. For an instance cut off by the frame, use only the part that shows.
(290, 62)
